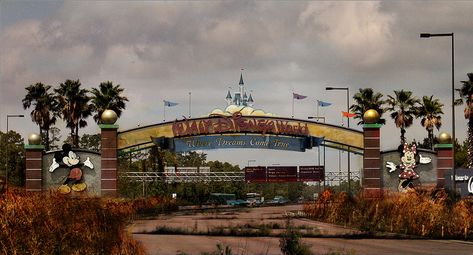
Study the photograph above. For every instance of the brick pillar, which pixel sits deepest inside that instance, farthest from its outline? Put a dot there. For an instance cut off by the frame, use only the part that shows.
(109, 160)
(34, 164)
(372, 161)
(444, 162)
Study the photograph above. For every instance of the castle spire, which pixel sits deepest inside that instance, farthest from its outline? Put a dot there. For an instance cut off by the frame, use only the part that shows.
(229, 98)
(250, 100)
(242, 90)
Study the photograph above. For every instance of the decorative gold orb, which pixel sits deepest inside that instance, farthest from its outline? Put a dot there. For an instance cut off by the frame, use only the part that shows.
(34, 139)
(445, 137)
(371, 116)
(109, 117)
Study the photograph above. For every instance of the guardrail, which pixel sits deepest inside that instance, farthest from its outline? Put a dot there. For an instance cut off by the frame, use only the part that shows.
(185, 176)
(171, 177)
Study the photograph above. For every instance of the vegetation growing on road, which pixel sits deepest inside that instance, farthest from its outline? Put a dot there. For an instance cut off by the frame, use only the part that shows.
(290, 241)
(246, 230)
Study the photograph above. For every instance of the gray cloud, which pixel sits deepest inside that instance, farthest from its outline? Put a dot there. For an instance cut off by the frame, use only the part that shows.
(163, 50)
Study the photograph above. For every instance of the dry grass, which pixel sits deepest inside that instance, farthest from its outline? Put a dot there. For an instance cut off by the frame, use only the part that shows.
(423, 213)
(47, 223)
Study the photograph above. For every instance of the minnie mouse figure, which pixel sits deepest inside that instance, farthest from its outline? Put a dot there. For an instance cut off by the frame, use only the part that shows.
(408, 163)
(75, 180)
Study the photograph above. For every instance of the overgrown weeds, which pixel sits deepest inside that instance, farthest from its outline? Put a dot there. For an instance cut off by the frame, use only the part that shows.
(48, 223)
(430, 214)
(152, 206)
(290, 242)
(244, 230)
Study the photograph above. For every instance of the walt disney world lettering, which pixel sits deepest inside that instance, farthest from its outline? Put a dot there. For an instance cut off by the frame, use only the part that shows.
(238, 123)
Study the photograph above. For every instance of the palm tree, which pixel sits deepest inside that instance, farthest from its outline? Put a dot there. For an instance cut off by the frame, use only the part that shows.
(106, 97)
(466, 93)
(430, 111)
(73, 106)
(403, 108)
(44, 107)
(366, 99)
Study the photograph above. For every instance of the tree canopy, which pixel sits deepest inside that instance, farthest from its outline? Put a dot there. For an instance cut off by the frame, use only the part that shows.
(107, 96)
(44, 106)
(403, 108)
(366, 99)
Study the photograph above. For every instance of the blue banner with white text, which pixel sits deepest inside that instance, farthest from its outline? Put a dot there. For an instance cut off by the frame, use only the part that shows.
(244, 141)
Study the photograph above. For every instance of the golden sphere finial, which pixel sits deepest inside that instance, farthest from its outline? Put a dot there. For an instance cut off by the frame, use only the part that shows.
(444, 138)
(371, 116)
(109, 117)
(34, 139)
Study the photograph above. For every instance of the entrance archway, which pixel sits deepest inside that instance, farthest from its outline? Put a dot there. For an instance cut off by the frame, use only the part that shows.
(238, 131)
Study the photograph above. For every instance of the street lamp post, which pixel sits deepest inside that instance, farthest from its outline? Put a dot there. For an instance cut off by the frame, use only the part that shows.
(317, 118)
(348, 121)
(6, 145)
(428, 35)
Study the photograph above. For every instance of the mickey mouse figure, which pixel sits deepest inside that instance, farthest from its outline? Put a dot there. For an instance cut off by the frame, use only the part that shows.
(408, 163)
(67, 158)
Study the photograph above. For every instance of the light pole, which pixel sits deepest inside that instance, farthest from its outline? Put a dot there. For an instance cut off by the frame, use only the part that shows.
(428, 35)
(317, 118)
(6, 145)
(348, 121)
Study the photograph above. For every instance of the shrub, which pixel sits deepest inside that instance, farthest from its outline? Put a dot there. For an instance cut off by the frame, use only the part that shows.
(290, 242)
(428, 213)
(47, 223)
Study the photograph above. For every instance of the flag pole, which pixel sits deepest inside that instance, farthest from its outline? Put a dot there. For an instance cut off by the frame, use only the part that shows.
(317, 109)
(164, 114)
(190, 97)
(293, 104)
(324, 164)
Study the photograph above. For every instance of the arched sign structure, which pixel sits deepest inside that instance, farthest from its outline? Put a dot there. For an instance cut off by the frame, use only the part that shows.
(237, 131)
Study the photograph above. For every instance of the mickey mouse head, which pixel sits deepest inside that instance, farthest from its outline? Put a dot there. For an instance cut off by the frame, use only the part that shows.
(71, 159)
(68, 158)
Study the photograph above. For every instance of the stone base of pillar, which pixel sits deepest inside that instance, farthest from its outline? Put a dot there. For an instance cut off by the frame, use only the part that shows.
(109, 160)
(34, 164)
(444, 162)
(372, 162)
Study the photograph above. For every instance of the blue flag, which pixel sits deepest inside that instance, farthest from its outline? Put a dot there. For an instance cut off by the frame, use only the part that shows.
(169, 103)
(323, 104)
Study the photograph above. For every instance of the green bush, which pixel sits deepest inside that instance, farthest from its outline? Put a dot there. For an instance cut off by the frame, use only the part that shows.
(290, 241)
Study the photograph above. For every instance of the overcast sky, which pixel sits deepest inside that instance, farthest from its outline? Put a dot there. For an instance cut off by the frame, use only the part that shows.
(164, 50)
